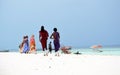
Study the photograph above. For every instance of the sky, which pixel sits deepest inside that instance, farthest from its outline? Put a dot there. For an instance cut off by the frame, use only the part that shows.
(81, 23)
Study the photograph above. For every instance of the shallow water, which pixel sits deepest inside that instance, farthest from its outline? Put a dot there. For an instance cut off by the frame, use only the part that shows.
(105, 51)
(88, 51)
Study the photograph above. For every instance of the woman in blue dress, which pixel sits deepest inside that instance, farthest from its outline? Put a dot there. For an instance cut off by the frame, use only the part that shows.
(26, 45)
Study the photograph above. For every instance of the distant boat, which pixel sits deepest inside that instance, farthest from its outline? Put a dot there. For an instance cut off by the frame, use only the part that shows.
(4, 50)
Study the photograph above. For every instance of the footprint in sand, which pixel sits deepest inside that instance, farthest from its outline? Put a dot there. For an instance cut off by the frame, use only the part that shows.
(49, 66)
(50, 58)
(36, 69)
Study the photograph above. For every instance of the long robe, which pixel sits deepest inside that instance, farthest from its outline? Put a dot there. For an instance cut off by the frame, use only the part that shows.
(43, 36)
(26, 46)
(32, 44)
(56, 41)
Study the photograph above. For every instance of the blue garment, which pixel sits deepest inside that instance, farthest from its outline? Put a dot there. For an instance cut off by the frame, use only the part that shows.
(26, 46)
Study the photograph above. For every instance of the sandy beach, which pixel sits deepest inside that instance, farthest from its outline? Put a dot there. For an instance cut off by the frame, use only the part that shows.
(36, 64)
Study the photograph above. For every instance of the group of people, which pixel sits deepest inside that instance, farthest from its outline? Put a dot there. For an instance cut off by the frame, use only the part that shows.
(43, 37)
(26, 47)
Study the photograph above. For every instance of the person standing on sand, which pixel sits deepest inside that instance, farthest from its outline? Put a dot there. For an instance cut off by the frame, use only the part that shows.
(56, 36)
(43, 37)
(50, 47)
(26, 45)
(21, 45)
(32, 45)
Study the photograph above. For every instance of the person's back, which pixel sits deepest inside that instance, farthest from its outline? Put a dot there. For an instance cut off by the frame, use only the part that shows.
(55, 35)
(50, 47)
(32, 45)
(43, 36)
(26, 45)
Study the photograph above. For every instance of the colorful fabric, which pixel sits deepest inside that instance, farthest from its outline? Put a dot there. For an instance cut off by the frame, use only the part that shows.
(32, 44)
(26, 46)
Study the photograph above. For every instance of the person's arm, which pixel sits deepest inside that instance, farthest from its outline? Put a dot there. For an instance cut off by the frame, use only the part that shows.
(39, 35)
(59, 35)
(34, 42)
(51, 37)
(46, 34)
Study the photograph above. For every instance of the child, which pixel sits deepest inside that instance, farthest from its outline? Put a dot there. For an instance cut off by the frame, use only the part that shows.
(50, 47)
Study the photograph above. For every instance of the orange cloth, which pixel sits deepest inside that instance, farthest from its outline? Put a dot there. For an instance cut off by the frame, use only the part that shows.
(32, 44)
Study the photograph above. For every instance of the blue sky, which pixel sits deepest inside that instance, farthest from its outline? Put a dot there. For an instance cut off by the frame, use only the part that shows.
(80, 22)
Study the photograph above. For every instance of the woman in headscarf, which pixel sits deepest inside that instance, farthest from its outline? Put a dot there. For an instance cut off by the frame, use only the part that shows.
(26, 45)
(43, 37)
(32, 45)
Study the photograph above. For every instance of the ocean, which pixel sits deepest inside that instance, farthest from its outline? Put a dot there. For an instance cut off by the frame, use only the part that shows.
(88, 51)
(102, 51)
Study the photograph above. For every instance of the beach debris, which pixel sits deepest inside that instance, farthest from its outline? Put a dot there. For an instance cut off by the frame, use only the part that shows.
(49, 66)
(4, 50)
(96, 48)
(50, 58)
(65, 49)
(78, 53)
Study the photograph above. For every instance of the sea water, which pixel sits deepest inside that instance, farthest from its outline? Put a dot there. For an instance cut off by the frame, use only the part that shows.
(89, 51)
(105, 51)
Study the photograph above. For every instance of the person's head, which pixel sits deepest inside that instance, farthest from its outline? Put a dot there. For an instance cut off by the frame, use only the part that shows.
(26, 36)
(42, 28)
(33, 36)
(55, 29)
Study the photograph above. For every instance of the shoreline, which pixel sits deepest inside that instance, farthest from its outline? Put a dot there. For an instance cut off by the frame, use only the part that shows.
(84, 54)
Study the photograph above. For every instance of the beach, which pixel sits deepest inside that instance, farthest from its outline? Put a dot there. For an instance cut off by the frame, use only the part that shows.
(13, 63)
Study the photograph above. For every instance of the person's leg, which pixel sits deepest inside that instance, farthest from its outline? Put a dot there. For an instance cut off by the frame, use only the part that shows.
(50, 50)
(56, 50)
(43, 46)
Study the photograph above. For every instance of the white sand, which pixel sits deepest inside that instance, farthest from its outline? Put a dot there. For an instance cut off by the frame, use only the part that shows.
(37, 64)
